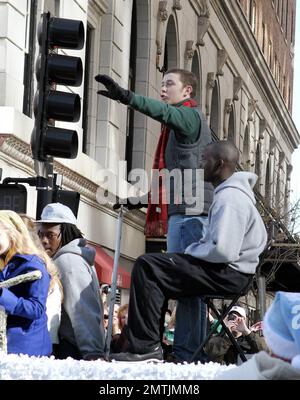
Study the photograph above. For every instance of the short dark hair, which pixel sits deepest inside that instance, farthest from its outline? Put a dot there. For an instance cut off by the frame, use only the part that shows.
(186, 77)
(225, 150)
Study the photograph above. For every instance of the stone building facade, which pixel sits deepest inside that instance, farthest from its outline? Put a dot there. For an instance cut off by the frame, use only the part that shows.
(241, 52)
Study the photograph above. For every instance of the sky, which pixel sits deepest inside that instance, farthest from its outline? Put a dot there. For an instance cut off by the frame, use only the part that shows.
(295, 180)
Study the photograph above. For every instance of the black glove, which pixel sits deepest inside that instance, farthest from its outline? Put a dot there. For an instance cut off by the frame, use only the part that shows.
(131, 203)
(114, 91)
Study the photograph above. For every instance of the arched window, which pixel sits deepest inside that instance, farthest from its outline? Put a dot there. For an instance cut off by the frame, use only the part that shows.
(258, 166)
(215, 111)
(278, 192)
(170, 54)
(268, 183)
(246, 150)
(231, 126)
(197, 71)
(140, 42)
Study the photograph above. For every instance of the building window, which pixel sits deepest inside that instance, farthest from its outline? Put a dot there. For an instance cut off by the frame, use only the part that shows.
(28, 80)
(289, 99)
(264, 38)
(279, 77)
(284, 88)
(282, 12)
(293, 28)
(270, 54)
(275, 71)
(286, 19)
(277, 7)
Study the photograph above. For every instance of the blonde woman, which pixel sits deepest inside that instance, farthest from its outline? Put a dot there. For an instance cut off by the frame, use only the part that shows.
(25, 304)
(55, 294)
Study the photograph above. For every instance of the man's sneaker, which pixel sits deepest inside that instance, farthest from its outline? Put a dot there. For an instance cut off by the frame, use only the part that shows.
(153, 356)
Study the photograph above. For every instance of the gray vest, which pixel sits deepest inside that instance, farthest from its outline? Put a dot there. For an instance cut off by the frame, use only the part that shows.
(180, 157)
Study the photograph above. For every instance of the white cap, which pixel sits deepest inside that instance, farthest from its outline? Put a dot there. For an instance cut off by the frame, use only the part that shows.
(57, 213)
(238, 310)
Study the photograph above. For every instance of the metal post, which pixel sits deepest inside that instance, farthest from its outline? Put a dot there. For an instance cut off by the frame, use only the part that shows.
(114, 280)
(262, 296)
(44, 185)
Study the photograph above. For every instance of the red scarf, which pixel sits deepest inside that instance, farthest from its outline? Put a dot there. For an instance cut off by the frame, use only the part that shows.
(157, 214)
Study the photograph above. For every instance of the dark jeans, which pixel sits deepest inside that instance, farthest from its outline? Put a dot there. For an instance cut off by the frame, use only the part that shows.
(159, 277)
(190, 331)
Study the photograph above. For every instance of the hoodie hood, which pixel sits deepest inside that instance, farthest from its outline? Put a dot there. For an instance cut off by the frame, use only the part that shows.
(79, 247)
(236, 234)
(244, 181)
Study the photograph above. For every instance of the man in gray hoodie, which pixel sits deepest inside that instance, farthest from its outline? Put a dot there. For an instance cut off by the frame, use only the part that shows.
(81, 332)
(222, 262)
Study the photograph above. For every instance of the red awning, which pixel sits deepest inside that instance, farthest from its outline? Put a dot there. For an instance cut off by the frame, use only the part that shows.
(104, 264)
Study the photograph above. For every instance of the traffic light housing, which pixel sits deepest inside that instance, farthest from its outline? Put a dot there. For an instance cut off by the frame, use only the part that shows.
(50, 104)
(13, 197)
(68, 198)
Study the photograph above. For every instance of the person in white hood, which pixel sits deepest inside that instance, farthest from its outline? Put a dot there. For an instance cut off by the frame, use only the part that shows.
(81, 331)
(281, 328)
(224, 261)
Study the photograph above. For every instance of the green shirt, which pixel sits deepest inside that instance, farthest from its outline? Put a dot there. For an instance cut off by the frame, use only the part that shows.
(185, 121)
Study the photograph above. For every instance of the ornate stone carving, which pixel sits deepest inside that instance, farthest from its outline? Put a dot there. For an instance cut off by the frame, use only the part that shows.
(210, 84)
(237, 85)
(202, 28)
(204, 8)
(272, 146)
(262, 128)
(162, 10)
(211, 80)
(189, 54)
(251, 108)
(228, 106)
(221, 60)
(281, 158)
(189, 49)
(177, 5)
(227, 111)
(289, 170)
(162, 18)
(17, 150)
(201, 7)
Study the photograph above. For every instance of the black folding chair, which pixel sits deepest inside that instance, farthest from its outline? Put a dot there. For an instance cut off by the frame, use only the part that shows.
(208, 299)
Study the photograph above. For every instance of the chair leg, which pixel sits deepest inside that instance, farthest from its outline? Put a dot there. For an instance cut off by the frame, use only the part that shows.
(220, 318)
(229, 334)
(234, 343)
(211, 331)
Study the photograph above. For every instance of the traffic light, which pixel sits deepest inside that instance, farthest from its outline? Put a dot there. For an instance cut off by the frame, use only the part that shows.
(50, 104)
(13, 197)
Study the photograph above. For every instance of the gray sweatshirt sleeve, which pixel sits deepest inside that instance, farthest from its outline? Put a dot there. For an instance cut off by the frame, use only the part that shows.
(82, 304)
(223, 240)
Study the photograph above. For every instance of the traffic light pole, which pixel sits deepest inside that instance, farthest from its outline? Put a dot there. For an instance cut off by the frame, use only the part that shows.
(44, 185)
